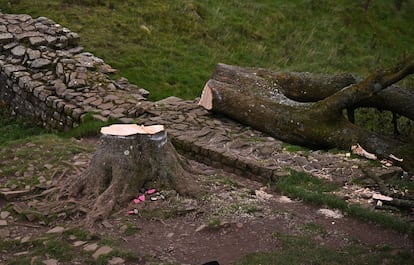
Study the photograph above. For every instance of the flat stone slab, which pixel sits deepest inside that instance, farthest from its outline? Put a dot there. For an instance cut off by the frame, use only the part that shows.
(56, 230)
(102, 251)
(223, 143)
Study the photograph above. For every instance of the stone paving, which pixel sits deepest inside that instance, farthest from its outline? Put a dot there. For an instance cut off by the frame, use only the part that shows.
(218, 141)
(44, 74)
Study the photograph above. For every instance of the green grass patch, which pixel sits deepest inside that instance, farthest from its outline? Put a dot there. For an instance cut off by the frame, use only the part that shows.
(37, 158)
(304, 250)
(60, 247)
(221, 180)
(313, 190)
(78, 233)
(46, 247)
(89, 126)
(214, 223)
(314, 228)
(130, 228)
(294, 148)
(171, 47)
(13, 128)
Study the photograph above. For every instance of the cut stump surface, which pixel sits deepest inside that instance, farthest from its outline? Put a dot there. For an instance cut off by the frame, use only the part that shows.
(127, 157)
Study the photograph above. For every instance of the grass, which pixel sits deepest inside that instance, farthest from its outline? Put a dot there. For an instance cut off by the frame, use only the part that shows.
(14, 128)
(214, 223)
(304, 250)
(89, 127)
(294, 148)
(49, 247)
(59, 247)
(316, 191)
(224, 181)
(29, 160)
(130, 228)
(171, 47)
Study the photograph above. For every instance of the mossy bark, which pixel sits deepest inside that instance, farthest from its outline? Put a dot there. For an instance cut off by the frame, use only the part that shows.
(273, 102)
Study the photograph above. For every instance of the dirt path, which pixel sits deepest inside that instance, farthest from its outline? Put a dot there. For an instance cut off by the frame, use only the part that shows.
(228, 223)
(236, 216)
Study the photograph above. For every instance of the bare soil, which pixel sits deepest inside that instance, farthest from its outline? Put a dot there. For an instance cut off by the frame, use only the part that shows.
(234, 217)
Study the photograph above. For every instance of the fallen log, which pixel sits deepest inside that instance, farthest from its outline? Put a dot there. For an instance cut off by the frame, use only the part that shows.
(270, 102)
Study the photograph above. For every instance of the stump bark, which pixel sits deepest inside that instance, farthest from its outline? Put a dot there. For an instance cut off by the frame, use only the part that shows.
(307, 109)
(128, 157)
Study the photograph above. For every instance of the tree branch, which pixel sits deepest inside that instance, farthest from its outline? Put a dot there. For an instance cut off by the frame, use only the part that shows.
(352, 95)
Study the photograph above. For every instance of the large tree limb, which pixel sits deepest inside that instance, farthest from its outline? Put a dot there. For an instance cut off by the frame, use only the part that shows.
(312, 87)
(350, 96)
(253, 97)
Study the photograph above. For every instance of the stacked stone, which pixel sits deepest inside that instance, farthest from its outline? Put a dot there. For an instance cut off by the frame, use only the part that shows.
(223, 143)
(44, 74)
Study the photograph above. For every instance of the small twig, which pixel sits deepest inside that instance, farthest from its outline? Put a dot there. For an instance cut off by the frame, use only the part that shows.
(62, 175)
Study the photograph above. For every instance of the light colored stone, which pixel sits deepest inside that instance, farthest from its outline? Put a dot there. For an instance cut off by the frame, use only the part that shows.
(40, 63)
(284, 199)
(330, 213)
(90, 247)
(102, 251)
(80, 243)
(56, 230)
(18, 51)
(263, 195)
(37, 41)
(3, 223)
(4, 233)
(116, 261)
(50, 262)
(4, 214)
(25, 239)
(5, 38)
(33, 54)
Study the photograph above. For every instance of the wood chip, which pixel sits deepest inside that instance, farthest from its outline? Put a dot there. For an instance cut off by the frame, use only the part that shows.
(381, 197)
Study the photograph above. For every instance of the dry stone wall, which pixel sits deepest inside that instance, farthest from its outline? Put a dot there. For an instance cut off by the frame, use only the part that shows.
(46, 75)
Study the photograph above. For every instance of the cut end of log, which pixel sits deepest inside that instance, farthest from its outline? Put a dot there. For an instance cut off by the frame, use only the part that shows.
(131, 129)
(206, 100)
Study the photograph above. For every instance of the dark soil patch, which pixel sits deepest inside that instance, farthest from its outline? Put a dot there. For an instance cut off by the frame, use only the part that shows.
(228, 222)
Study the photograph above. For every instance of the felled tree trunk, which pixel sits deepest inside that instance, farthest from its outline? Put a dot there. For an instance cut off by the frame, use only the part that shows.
(127, 157)
(307, 109)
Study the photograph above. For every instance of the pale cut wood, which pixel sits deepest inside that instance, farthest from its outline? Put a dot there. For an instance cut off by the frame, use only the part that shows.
(129, 157)
(206, 100)
(131, 129)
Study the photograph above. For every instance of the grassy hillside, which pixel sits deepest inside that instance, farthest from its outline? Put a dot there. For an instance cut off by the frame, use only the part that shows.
(171, 47)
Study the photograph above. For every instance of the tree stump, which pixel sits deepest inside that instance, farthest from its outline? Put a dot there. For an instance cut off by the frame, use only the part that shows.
(127, 157)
